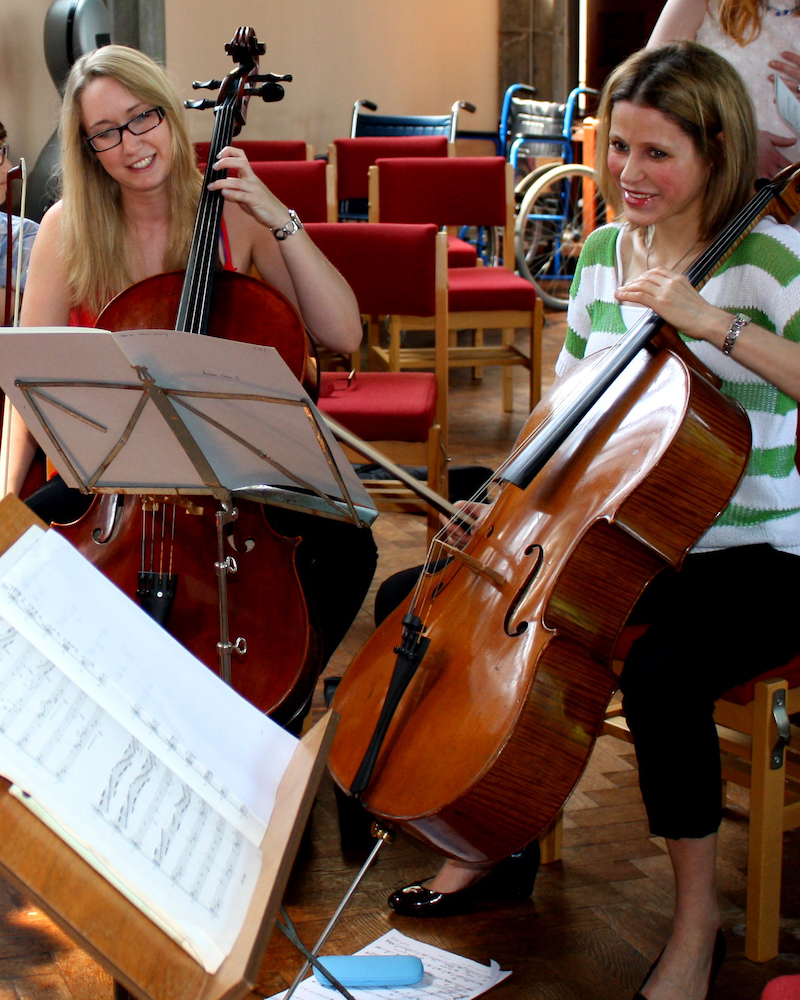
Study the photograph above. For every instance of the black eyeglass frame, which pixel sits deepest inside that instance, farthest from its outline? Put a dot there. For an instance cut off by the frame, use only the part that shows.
(3, 152)
(119, 129)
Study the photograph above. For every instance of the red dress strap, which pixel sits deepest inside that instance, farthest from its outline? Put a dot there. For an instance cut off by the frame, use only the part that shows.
(227, 263)
(80, 316)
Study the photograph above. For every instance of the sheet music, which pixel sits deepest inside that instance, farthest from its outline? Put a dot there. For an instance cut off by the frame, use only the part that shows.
(95, 726)
(787, 103)
(447, 976)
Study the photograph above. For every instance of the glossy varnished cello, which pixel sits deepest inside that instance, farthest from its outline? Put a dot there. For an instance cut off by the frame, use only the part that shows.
(163, 550)
(470, 714)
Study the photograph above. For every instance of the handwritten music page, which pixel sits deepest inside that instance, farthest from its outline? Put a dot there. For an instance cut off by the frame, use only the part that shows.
(157, 772)
(787, 103)
(446, 977)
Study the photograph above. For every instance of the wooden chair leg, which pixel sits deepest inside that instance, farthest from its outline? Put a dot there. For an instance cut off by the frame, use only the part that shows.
(508, 375)
(373, 339)
(551, 840)
(478, 339)
(437, 476)
(537, 330)
(765, 849)
(395, 333)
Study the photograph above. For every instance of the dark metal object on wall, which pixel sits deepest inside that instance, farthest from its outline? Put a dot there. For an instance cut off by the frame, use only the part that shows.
(71, 28)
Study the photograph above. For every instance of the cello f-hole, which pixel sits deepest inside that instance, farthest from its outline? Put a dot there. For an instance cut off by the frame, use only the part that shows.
(112, 512)
(538, 553)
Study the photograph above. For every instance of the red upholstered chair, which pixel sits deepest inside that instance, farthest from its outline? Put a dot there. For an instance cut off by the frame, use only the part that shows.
(354, 157)
(307, 186)
(398, 272)
(748, 720)
(263, 149)
(464, 191)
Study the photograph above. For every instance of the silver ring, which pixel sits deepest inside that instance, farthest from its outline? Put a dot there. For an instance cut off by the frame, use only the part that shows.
(797, 88)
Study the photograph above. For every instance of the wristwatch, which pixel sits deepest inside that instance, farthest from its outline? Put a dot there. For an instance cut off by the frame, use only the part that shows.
(294, 225)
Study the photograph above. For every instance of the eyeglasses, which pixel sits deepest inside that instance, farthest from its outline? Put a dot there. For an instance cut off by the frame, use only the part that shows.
(111, 137)
(3, 153)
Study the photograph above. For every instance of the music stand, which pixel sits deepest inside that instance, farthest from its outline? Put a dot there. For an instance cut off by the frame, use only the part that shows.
(163, 412)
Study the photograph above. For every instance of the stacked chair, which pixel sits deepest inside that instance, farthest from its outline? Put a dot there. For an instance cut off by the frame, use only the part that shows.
(400, 272)
(455, 191)
(307, 186)
(264, 149)
(353, 159)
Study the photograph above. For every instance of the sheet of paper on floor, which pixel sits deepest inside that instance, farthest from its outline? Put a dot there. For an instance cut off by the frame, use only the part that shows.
(447, 976)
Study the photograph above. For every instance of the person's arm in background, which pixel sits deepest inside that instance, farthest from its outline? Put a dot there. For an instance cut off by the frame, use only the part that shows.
(678, 19)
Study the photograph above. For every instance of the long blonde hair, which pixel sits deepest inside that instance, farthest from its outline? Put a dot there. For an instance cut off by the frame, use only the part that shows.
(705, 97)
(741, 19)
(93, 226)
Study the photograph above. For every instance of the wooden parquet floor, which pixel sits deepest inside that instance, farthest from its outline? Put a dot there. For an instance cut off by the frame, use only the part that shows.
(596, 919)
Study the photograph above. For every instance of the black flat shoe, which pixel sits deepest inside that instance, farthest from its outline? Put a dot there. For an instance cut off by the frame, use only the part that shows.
(717, 958)
(511, 878)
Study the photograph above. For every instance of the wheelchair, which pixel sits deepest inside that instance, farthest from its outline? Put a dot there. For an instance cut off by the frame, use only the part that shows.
(399, 125)
(559, 203)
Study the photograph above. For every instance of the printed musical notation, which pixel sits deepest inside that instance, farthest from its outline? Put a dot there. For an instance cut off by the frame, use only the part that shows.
(447, 976)
(109, 751)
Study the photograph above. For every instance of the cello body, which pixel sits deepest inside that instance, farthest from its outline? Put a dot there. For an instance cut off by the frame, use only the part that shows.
(498, 721)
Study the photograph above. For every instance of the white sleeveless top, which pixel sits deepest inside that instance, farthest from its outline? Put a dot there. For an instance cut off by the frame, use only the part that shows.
(779, 33)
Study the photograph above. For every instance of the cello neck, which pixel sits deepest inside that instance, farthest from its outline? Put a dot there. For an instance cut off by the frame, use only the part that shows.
(530, 458)
(196, 294)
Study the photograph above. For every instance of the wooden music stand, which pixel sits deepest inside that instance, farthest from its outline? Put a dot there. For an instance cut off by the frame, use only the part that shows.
(142, 958)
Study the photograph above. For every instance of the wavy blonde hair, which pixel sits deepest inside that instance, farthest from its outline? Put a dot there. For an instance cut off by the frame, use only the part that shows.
(741, 19)
(93, 225)
(705, 97)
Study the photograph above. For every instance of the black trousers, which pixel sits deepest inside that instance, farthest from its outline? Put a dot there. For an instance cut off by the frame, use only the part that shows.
(725, 618)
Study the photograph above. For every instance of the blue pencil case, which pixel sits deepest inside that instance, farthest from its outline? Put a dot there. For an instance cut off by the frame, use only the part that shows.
(364, 971)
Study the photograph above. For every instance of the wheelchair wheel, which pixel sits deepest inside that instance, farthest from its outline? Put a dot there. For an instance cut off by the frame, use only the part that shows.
(558, 212)
(485, 239)
(526, 180)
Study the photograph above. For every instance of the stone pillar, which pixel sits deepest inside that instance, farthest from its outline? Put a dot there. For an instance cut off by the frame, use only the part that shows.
(140, 24)
(539, 45)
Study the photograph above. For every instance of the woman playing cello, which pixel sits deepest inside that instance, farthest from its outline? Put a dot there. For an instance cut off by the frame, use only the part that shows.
(680, 138)
(130, 189)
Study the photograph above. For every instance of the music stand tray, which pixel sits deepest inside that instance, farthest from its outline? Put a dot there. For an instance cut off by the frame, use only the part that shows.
(167, 412)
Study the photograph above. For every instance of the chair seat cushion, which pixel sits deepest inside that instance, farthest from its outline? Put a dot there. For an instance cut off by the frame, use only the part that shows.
(484, 289)
(460, 253)
(740, 695)
(381, 406)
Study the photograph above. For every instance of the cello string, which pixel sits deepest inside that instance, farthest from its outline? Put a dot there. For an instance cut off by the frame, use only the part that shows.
(210, 211)
(204, 231)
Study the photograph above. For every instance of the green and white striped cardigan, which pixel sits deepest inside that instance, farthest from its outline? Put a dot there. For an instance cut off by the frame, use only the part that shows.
(762, 279)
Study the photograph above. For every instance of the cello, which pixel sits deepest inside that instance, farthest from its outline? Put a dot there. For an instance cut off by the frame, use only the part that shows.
(277, 655)
(472, 729)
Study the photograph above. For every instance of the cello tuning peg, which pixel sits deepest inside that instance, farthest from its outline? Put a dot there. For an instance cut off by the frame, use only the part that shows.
(199, 105)
(271, 78)
(269, 92)
(208, 85)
